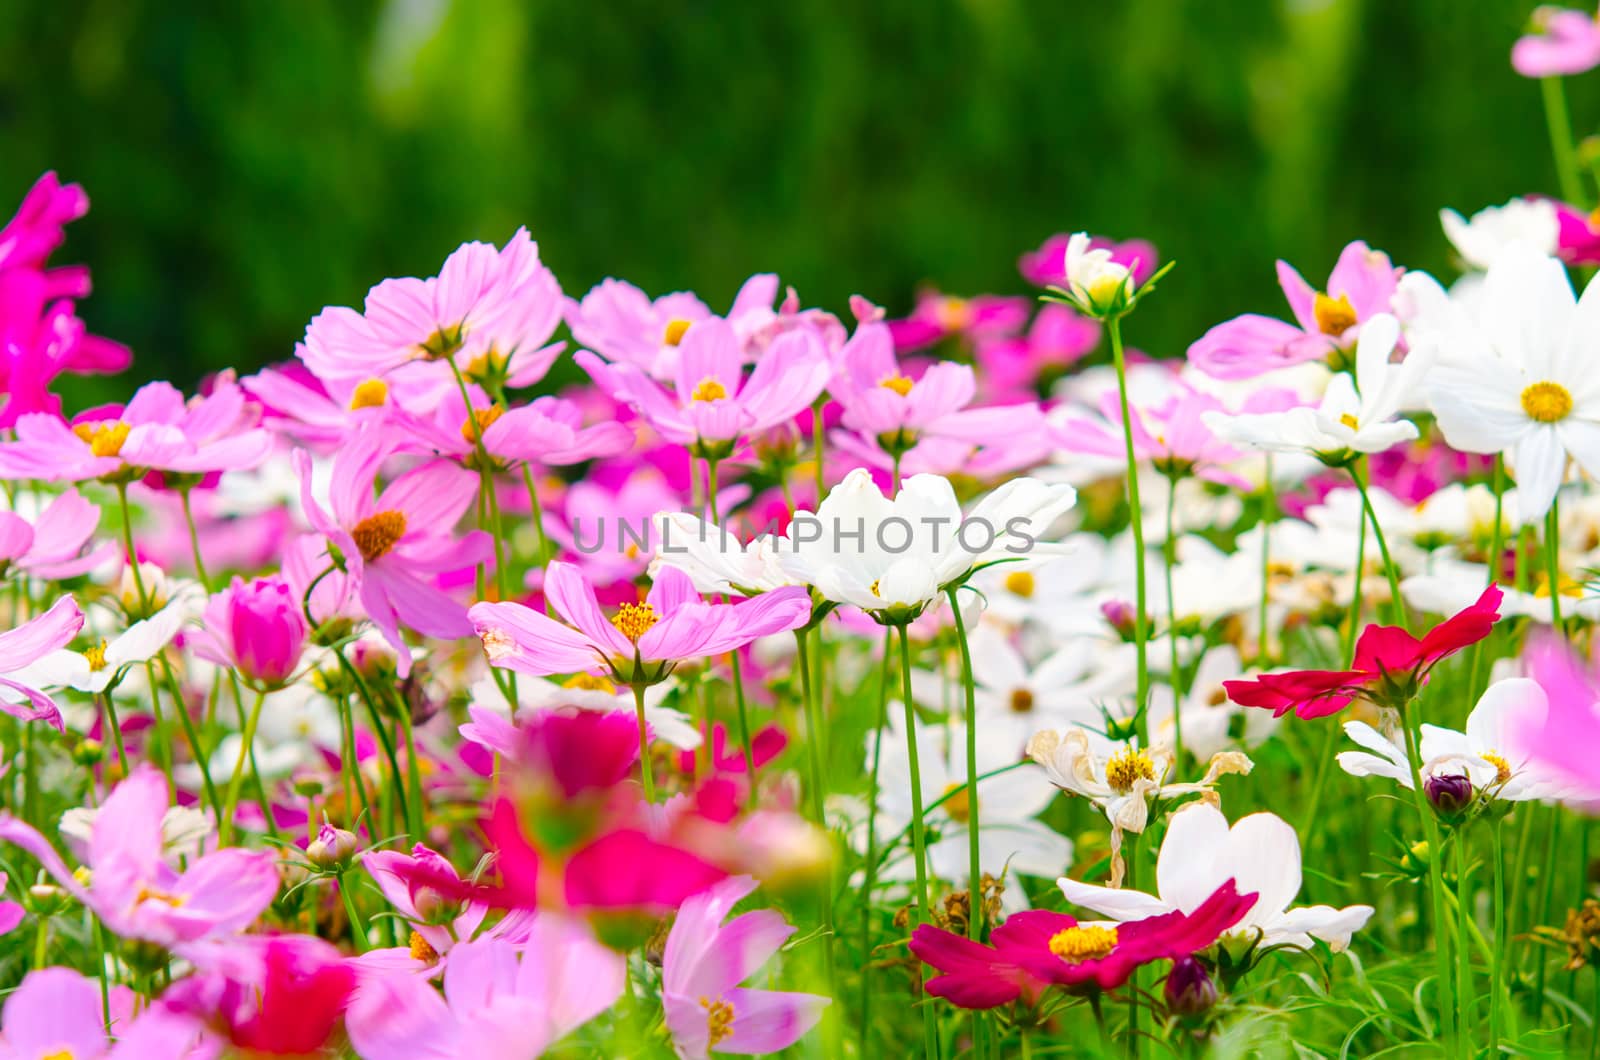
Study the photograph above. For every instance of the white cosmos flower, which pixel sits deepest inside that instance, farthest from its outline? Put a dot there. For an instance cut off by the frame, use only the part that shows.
(1486, 753)
(1520, 379)
(94, 669)
(713, 557)
(1093, 276)
(184, 829)
(1483, 238)
(892, 558)
(1200, 853)
(1357, 415)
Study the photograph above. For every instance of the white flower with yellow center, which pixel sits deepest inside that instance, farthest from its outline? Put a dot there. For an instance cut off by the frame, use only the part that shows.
(1519, 379)
(1093, 277)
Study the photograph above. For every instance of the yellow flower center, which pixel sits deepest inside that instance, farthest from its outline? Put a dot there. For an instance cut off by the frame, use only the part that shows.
(1502, 768)
(105, 439)
(956, 802)
(1546, 402)
(480, 420)
(1350, 421)
(676, 329)
(376, 534)
(422, 950)
(898, 383)
(874, 588)
(634, 620)
(709, 389)
(1334, 316)
(954, 314)
(1126, 767)
(719, 1020)
(1086, 942)
(96, 655)
(1021, 701)
(589, 683)
(60, 1054)
(369, 394)
(151, 894)
(1020, 583)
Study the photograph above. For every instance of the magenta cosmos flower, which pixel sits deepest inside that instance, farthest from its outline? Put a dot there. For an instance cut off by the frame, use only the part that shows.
(40, 334)
(55, 545)
(705, 961)
(491, 311)
(1361, 286)
(257, 627)
(1035, 950)
(641, 642)
(156, 431)
(713, 404)
(1562, 725)
(391, 545)
(439, 919)
(1563, 42)
(132, 888)
(621, 323)
(57, 1012)
(27, 644)
(1060, 336)
(502, 1001)
(940, 316)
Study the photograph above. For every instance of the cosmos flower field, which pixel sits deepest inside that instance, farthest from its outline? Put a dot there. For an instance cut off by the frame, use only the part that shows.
(513, 671)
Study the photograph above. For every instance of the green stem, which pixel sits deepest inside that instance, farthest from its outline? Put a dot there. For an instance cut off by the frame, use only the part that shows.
(744, 722)
(1430, 826)
(116, 730)
(1500, 952)
(819, 447)
(1398, 604)
(201, 756)
(1566, 155)
(1268, 511)
(542, 543)
(1547, 895)
(1355, 597)
(133, 556)
(1136, 525)
(1496, 545)
(1463, 954)
(384, 742)
(974, 870)
(194, 541)
(644, 745)
(870, 869)
(919, 843)
(1552, 561)
(225, 825)
(814, 740)
(358, 931)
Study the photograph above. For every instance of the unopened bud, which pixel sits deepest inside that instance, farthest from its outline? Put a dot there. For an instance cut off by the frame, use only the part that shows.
(333, 848)
(1450, 795)
(1189, 991)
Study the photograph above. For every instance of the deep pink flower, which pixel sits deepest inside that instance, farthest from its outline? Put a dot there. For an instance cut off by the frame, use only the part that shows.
(939, 316)
(1011, 366)
(641, 642)
(705, 961)
(1577, 234)
(390, 544)
(54, 546)
(1563, 42)
(1047, 266)
(490, 311)
(132, 888)
(1035, 950)
(621, 323)
(713, 404)
(27, 644)
(156, 431)
(257, 627)
(1361, 285)
(766, 744)
(1389, 666)
(502, 1001)
(269, 995)
(57, 1012)
(575, 750)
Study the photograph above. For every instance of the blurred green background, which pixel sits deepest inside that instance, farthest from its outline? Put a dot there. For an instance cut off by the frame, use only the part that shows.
(249, 163)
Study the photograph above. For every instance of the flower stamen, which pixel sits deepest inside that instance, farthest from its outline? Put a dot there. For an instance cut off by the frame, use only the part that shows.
(635, 620)
(1546, 402)
(900, 384)
(719, 1020)
(105, 439)
(1127, 767)
(676, 329)
(709, 389)
(376, 534)
(1334, 316)
(1086, 942)
(369, 394)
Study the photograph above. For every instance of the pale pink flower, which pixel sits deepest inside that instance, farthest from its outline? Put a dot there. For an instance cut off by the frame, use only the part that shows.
(27, 644)
(1563, 42)
(623, 325)
(55, 545)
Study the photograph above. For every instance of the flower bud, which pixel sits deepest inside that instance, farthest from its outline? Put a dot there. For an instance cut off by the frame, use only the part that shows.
(1189, 991)
(333, 848)
(257, 627)
(1120, 615)
(1450, 795)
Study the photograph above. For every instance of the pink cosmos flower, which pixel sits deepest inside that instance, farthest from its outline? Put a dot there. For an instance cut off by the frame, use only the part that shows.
(547, 431)
(640, 643)
(705, 961)
(599, 519)
(1561, 738)
(282, 995)
(899, 413)
(256, 627)
(1389, 666)
(40, 334)
(55, 545)
(132, 888)
(156, 431)
(1010, 366)
(1563, 42)
(1577, 234)
(1035, 950)
(389, 543)
(939, 316)
(27, 644)
(502, 1001)
(57, 1012)
(714, 404)
(324, 412)
(620, 322)
(491, 311)
(1047, 266)
(1362, 284)
(439, 922)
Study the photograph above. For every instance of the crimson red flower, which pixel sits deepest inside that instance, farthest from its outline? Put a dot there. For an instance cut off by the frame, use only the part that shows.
(1035, 950)
(1390, 665)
